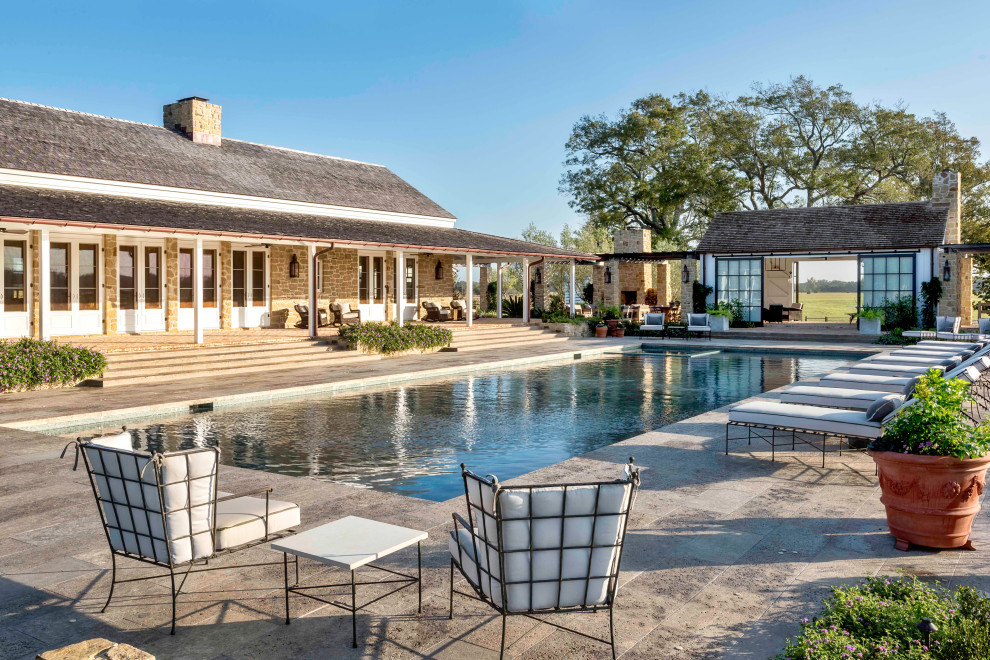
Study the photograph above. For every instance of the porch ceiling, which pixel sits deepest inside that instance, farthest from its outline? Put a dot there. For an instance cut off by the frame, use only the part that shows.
(68, 208)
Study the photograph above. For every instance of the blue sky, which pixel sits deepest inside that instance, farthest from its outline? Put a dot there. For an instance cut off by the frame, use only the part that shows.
(472, 102)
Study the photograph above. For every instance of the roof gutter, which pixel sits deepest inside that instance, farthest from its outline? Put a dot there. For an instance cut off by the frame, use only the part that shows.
(273, 237)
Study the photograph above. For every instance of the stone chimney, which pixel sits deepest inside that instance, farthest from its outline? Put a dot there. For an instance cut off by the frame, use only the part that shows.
(194, 117)
(947, 194)
(957, 293)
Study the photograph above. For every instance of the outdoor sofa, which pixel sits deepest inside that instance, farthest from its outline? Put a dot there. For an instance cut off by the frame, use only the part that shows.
(538, 550)
(166, 510)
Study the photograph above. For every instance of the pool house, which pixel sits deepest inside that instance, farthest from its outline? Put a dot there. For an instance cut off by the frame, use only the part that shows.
(111, 226)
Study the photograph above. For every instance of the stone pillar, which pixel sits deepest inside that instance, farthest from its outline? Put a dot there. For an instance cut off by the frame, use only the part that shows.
(662, 283)
(540, 297)
(957, 293)
(171, 285)
(484, 276)
(226, 267)
(111, 304)
(687, 288)
(34, 248)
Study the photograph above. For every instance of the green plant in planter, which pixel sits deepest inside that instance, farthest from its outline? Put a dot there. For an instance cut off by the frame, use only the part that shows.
(722, 309)
(611, 313)
(878, 618)
(934, 425)
(870, 314)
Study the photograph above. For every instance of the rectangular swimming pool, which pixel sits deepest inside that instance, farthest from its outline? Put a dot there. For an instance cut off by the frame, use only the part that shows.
(412, 438)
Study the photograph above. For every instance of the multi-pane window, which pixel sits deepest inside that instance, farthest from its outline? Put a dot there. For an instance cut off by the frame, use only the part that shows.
(185, 278)
(152, 278)
(363, 279)
(258, 279)
(239, 272)
(209, 278)
(14, 283)
(89, 278)
(59, 288)
(885, 278)
(742, 280)
(127, 276)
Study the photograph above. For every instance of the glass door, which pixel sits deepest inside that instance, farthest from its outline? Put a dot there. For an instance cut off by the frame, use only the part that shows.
(14, 318)
(211, 294)
(249, 270)
(139, 288)
(74, 288)
(371, 287)
(741, 280)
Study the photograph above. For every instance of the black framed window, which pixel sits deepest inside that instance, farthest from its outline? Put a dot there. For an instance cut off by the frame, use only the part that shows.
(885, 277)
(742, 280)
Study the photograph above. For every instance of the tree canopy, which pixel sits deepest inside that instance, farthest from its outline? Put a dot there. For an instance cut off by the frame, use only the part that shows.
(670, 164)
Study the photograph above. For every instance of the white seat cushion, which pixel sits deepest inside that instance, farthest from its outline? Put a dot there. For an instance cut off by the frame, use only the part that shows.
(811, 418)
(943, 344)
(837, 397)
(651, 327)
(892, 369)
(914, 360)
(242, 520)
(892, 384)
(120, 440)
(698, 328)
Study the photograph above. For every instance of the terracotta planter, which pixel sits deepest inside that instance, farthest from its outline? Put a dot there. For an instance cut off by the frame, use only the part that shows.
(619, 332)
(612, 325)
(930, 500)
(601, 332)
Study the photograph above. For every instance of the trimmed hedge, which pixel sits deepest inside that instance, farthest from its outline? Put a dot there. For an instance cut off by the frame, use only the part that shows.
(388, 338)
(878, 618)
(27, 364)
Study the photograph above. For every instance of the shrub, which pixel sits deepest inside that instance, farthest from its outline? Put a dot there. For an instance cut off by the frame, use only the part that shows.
(931, 293)
(935, 425)
(491, 292)
(900, 313)
(699, 297)
(879, 616)
(512, 307)
(895, 338)
(388, 338)
(562, 317)
(611, 313)
(556, 305)
(27, 364)
(588, 293)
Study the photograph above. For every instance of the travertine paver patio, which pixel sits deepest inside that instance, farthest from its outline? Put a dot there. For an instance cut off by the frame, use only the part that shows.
(724, 555)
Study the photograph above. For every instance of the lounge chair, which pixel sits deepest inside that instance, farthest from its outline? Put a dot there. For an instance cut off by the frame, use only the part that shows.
(435, 313)
(833, 397)
(529, 550)
(166, 510)
(867, 368)
(342, 313)
(653, 321)
(303, 312)
(699, 323)
(946, 327)
(458, 310)
(914, 359)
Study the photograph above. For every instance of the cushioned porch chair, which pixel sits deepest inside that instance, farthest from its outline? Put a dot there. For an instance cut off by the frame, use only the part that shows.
(342, 313)
(654, 321)
(303, 312)
(558, 547)
(435, 313)
(166, 510)
(699, 323)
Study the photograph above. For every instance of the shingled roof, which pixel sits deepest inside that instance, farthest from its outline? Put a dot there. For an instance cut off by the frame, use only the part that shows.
(88, 209)
(38, 138)
(827, 228)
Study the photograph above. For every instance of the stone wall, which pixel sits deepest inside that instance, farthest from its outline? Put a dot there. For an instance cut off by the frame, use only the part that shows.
(110, 303)
(687, 288)
(226, 267)
(171, 285)
(35, 299)
(484, 277)
(430, 288)
(286, 292)
(957, 293)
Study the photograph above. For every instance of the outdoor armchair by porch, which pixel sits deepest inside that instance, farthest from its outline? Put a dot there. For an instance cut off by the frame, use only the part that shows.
(303, 312)
(653, 321)
(699, 323)
(342, 313)
(529, 550)
(166, 510)
(435, 313)
(946, 327)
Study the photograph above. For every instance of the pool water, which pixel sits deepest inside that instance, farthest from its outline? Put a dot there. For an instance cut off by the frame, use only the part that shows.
(412, 438)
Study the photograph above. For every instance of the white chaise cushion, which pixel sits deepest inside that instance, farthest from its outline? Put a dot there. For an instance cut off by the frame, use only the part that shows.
(912, 360)
(835, 397)
(892, 384)
(242, 520)
(892, 369)
(189, 479)
(810, 418)
(942, 345)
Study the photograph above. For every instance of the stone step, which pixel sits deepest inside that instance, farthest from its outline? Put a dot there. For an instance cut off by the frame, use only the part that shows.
(285, 348)
(223, 361)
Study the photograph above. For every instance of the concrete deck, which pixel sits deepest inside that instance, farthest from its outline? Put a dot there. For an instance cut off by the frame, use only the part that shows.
(724, 555)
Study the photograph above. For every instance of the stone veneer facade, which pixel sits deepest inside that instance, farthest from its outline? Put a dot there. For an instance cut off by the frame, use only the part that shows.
(110, 302)
(957, 293)
(627, 276)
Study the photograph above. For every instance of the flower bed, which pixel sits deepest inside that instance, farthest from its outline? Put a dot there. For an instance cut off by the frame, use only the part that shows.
(879, 617)
(27, 364)
(391, 338)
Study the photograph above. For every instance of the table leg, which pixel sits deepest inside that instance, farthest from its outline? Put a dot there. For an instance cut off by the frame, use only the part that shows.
(285, 574)
(353, 612)
(419, 568)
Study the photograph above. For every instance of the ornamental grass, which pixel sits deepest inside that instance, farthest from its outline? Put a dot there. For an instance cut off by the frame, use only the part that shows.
(27, 364)
(389, 338)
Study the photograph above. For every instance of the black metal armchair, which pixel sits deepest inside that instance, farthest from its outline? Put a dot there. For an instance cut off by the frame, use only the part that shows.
(303, 311)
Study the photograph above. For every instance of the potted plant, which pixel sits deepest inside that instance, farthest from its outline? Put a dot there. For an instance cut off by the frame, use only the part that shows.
(869, 321)
(611, 314)
(720, 316)
(651, 297)
(620, 330)
(601, 330)
(932, 465)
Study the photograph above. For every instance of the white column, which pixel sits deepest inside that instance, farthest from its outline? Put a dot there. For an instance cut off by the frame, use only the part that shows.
(400, 284)
(498, 290)
(573, 290)
(198, 292)
(44, 284)
(525, 286)
(470, 289)
(314, 313)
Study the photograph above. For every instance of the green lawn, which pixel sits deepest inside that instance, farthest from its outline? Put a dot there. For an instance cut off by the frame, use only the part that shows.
(836, 306)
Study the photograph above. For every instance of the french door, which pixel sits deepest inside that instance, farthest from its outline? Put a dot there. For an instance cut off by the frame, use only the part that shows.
(371, 287)
(140, 287)
(15, 319)
(211, 288)
(408, 283)
(249, 270)
(75, 303)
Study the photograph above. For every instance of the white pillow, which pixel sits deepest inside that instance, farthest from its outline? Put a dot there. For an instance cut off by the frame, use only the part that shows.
(120, 440)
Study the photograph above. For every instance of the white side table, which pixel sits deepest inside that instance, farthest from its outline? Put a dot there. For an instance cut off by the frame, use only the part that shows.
(351, 543)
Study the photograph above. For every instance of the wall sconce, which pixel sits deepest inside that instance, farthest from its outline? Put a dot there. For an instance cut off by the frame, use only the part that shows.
(438, 271)
(608, 275)
(294, 267)
(539, 275)
(946, 271)
(685, 274)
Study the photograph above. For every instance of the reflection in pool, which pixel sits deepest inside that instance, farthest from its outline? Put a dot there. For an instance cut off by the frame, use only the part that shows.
(412, 438)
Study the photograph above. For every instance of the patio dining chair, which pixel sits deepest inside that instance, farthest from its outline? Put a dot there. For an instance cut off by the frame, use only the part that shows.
(166, 510)
(530, 550)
